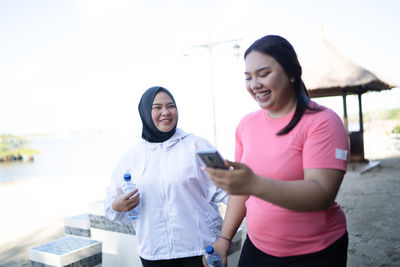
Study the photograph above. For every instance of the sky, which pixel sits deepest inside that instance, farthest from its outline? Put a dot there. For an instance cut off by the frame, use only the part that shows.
(82, 65)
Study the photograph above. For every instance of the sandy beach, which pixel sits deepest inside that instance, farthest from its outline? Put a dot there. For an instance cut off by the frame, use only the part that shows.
(33, 210)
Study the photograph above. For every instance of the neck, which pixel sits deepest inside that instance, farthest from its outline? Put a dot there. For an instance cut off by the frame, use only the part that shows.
(286, 109)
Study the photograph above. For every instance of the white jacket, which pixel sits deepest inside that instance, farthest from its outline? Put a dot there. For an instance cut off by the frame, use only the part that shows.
(179, 214)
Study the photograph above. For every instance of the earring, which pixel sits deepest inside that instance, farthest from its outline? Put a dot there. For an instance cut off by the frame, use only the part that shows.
(292, 79)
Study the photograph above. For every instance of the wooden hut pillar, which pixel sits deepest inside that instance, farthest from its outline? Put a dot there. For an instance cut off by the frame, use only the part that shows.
(360, 113)
(357, 138)
(345, 119)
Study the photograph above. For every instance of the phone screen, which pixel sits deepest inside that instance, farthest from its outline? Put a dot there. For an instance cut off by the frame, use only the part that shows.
(212, 159)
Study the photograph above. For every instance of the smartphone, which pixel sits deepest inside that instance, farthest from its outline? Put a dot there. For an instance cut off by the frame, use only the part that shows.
(212, 158)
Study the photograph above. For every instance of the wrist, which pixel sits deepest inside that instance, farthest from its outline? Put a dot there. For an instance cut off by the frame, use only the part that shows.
(115, 206)
(258, 186)
(226, 239)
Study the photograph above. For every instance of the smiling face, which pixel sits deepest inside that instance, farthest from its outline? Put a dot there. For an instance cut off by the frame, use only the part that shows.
(164, 112)
(268, 83)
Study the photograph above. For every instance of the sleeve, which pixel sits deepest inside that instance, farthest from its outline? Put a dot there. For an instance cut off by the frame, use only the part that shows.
(238, 142)
(327, 143)
(111, 193)
(212, 193)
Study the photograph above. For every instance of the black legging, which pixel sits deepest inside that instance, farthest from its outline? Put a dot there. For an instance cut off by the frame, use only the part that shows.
(333, 256)
(181, 262)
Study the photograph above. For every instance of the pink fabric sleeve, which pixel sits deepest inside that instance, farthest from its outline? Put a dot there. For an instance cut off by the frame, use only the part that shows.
(238, 143)
(327, 143)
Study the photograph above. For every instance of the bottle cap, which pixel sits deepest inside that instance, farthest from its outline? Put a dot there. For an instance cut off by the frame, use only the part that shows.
(127, 176)
(209, 249)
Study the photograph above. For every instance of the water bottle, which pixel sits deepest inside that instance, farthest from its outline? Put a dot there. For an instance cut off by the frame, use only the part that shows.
(213, 259)
(127, 187)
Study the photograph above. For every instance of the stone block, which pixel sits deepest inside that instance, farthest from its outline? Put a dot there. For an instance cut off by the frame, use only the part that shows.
(78, 225)
(67, 252)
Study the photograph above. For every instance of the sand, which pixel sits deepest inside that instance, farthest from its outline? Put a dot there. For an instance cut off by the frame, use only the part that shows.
(33, 210)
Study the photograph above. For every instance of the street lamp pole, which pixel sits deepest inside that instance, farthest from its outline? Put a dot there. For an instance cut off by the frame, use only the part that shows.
(210, 46)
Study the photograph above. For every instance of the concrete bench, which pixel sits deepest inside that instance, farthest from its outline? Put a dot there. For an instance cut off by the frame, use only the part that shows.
(93, 240)
(119, 241)
(78, 225)
(68, 251)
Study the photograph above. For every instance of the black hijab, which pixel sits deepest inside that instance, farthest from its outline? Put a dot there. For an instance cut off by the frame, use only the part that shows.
(150, 132)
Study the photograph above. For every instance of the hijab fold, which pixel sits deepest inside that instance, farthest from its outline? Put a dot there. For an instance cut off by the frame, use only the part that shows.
(150, 132)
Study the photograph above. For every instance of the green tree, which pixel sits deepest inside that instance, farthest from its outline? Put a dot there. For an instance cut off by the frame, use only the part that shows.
(15, 148)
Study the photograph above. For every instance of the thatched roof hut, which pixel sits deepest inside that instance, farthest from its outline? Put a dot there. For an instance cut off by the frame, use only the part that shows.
(326, 72)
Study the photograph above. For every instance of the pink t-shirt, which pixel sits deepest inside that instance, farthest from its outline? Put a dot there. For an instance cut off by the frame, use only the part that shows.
(319, 140)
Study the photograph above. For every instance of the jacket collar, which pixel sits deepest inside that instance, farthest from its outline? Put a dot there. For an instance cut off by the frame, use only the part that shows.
(179, 135)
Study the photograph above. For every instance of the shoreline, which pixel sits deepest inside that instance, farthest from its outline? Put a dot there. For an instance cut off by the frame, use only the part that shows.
(53, 176)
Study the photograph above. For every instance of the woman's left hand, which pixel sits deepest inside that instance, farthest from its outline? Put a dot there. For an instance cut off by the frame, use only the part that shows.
(236, 181)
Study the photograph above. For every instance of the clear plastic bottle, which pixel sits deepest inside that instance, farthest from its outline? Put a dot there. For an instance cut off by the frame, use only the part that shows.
(127, 187)
(213, 259)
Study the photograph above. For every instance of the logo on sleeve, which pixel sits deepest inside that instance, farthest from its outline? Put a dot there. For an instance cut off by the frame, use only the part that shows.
(341, 154)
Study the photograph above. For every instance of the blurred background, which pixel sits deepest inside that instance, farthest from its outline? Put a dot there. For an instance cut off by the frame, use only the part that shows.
(72, 72)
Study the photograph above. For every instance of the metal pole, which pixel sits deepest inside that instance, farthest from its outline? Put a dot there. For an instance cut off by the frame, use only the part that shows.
(209, 46)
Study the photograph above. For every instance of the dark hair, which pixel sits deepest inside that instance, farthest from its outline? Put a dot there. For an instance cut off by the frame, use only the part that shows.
(283, 52)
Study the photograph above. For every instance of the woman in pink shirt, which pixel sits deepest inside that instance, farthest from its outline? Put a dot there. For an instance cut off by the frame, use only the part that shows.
(291, 157)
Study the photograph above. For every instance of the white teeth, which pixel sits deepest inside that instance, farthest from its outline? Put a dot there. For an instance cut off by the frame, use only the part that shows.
(263, 94)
